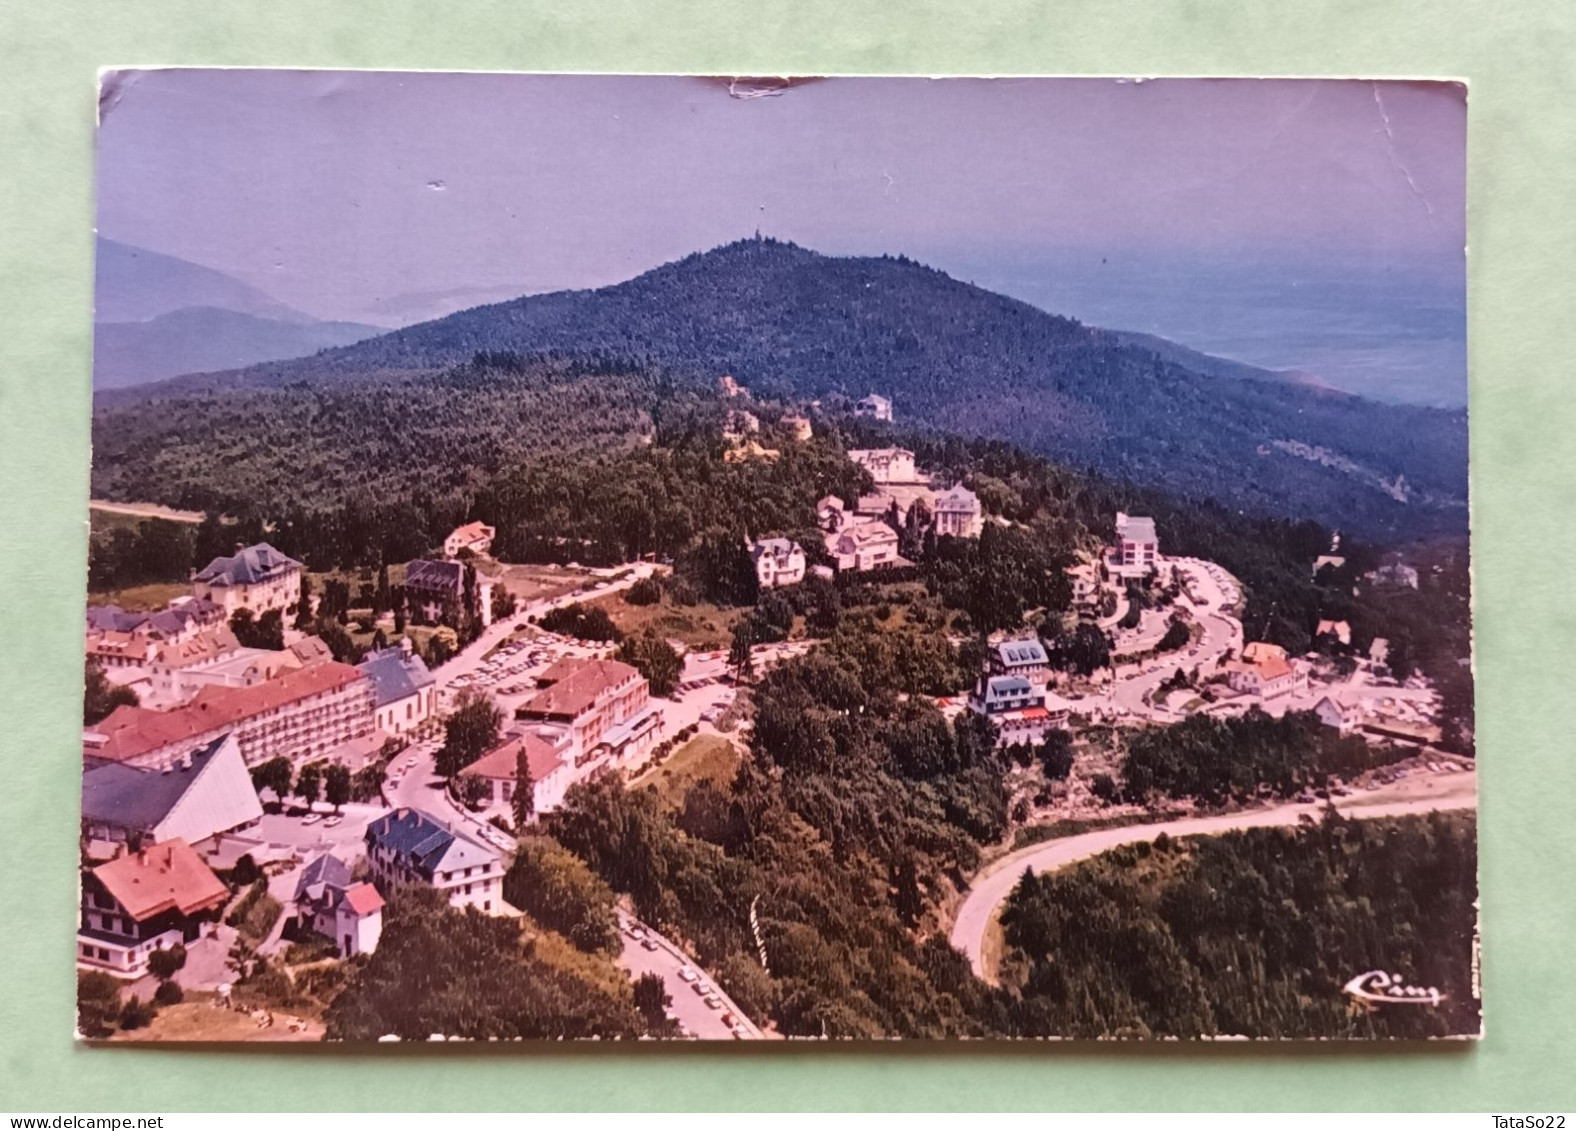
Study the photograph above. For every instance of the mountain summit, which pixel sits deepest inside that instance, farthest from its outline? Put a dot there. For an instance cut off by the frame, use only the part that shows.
(789, 321)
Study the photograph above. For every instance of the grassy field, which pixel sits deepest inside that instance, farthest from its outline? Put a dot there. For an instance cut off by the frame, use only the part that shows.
(534, 582)
(199, 1020)
(702, 627)
(704, 757)
(141, 598)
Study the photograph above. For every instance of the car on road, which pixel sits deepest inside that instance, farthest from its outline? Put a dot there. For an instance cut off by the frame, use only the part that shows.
(687, 974)
(649, 943)
(701, 988)
(637, 933)
(713, 1001)
(311, 818)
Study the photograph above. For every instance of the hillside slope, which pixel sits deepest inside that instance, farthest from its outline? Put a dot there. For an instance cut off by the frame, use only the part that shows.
(791, 322)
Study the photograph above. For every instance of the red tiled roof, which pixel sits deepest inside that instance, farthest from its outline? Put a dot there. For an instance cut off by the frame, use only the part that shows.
(499, 763)
(576, 685)
(363, 899)
(1273, 667)
(165, 876)
(133, 731)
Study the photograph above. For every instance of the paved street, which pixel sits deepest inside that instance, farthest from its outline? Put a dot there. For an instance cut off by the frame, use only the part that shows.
(664, 959)
(992, 886)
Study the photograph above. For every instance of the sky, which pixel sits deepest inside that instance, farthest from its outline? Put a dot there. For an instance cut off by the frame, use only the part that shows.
(1311, 225)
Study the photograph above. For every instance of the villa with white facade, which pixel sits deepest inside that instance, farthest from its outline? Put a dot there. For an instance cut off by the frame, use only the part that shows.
(257, 577)
(778, 562)
(407, 846)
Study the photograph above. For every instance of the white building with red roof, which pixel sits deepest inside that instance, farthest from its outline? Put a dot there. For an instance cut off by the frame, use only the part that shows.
(329, 901)
(550, 761)
(604, 705)
(305, 713)
(163, 896)
(477, 537)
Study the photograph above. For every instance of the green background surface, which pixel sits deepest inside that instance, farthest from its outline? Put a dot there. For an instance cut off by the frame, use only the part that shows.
(1520, 59)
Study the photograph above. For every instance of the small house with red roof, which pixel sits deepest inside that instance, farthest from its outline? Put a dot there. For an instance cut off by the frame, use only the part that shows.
(329, 901)
(549, 759)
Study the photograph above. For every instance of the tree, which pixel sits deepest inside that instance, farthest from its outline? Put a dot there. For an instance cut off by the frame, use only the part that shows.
(472, 790)
(559, 891)
(309, 784)
(1104, 787)
(100, 696)
(397, 600)
(469, 732)
(741, 657)
(523, 801)
(439, 969)
(655, 659)
(1056, 754)
(165, 962)
(266, 631)
(303, 605)
(441, 646)
(337, 785)
(646, 591)
(652, 999)
(383, 597)
(98, 1003)
(1084, 651)
(503, 603)
(275, 774)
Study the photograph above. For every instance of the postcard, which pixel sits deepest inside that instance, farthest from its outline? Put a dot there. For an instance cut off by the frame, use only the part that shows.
(631, 557)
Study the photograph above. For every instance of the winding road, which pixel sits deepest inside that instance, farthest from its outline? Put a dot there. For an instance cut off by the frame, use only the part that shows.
(992, 886)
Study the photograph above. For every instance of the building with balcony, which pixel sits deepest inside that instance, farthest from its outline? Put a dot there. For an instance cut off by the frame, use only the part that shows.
(408, 846)
(163, 896)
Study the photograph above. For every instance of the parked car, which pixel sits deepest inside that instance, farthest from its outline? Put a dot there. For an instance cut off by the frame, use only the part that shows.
(649, 943)
(331, 822)
(687, 974)
(311, 818)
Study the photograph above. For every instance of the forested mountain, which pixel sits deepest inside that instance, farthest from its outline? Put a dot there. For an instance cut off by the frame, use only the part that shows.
(791, 322)
(204, 338)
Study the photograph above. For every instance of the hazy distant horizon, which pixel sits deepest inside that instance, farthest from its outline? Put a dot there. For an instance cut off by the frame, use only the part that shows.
(1312, 225)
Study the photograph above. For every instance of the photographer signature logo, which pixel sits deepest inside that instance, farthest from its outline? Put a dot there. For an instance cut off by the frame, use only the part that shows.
(1380, 988)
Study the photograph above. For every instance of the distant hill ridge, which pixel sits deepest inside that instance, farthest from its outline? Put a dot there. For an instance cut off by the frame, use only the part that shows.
(795, 323)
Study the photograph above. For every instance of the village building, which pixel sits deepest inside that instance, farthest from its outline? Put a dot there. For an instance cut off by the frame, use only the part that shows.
(1338, 630)
(477, 537)
(178, 673)
(739, 424)
(1344, 717)
(1267, 678)
(864, 546)
(404, 692)
(206, 792)
(154, 657)
(879, 506)
(435, 592)
(731, 388)
(311, 650)
(778, 562)
(887, 465)
(331, 903)
(257, 577)
(605, 706)
(1024, 658)
(549, 759)
(162, 896)
(1394, 573)
(1021, 711)
(1257, 651)
(957, 513)
(301, 715)
(798, 426)
(408, 846)
(1084, 584)
(830, 514)
(1137, 548)
(874, 407)
(748, 450)
(998, 694)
